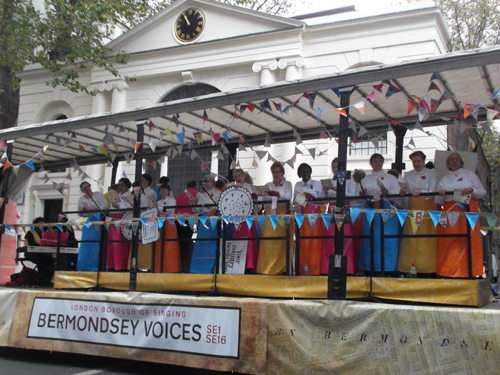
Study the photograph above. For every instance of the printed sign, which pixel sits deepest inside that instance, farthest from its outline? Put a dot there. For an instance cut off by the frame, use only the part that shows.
(150, 231)
(236, 255)
(189, 329)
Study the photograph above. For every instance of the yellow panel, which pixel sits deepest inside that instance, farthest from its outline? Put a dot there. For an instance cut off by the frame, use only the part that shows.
(180, 282)
(74, 280)
(440, 291)
(286, 286)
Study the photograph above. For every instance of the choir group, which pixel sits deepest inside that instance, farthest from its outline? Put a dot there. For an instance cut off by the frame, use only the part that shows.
(177, 251)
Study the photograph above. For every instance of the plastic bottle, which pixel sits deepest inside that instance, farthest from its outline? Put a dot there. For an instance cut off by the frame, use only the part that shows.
(413, 271)
(306, 269)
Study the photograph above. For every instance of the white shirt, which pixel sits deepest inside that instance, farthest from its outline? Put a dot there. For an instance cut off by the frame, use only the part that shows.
(126, 199)
(285, 189)
(350, 189)
(459, 180)
(371, 183)
(87, 204)
(169, 201)
(423, 181)
(204, 198)
(147, 197)
(312, 187)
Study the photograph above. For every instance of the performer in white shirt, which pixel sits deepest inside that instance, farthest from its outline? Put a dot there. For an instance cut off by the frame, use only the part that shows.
(167, 252)
(209, 196)
(419, 252)
(88, 255)
(379, 183)
(309, 249)
(328, 244)
(452, 254)
(272, 253)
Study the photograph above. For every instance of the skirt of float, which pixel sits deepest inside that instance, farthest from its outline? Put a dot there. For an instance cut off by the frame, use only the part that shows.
(419, 251)
(452, 257)
(117, 253)
(88, 254)
(272, 253)
(310, 248)
(328, 248)
(167, 253)
(204, 252)
(391, 245)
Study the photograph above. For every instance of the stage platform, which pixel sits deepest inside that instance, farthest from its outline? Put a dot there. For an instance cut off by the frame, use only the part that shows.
(255, 335)
(458, 292)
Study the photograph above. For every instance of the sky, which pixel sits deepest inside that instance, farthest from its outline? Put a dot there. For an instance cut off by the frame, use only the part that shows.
(363, 7)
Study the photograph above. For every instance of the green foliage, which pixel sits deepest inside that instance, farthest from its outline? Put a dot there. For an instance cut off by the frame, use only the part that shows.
(473, 23)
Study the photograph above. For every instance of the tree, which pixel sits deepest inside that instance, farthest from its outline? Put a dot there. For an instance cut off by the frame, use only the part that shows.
(66, 36)
(473, 23)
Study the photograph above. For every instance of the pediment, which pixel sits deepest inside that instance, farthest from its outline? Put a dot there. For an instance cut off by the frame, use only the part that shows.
(222, 21)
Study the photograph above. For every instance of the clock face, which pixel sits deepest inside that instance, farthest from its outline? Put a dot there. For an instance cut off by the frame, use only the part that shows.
(189, 25)
(235, 201)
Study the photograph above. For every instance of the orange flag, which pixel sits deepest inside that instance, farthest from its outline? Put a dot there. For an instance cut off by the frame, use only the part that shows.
(341, 111)
(136, 146)
(7, 165)
(411, 106)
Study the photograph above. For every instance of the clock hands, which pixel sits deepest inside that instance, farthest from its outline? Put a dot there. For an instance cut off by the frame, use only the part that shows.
(187, 21)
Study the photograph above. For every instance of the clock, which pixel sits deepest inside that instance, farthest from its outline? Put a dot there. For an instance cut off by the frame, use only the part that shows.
(189, 25)
(235, 201)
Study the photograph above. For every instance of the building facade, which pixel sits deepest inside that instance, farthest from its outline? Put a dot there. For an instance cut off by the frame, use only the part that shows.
(235, 49)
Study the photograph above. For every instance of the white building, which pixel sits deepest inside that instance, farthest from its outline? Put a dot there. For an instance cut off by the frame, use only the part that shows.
(234, 49)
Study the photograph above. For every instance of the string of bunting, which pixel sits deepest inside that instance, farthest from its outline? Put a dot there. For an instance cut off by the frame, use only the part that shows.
(425, 105)
(415, 217)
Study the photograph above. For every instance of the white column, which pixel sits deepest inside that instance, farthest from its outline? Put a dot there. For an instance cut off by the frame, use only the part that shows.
(267, 71)
(293, 68)
(119, 96)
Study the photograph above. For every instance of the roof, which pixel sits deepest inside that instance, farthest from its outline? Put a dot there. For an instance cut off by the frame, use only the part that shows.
(452, 82)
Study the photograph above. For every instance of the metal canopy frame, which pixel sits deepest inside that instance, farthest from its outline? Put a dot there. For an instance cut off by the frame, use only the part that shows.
(469, 76)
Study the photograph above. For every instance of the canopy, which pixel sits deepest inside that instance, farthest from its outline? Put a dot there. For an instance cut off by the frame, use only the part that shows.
(431, 91)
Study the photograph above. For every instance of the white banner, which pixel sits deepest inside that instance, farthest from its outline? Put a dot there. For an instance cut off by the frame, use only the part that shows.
(236, 256)
(189, 329)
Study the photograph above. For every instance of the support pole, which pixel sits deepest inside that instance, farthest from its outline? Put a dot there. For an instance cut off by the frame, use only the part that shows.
(337, 272)
(399, 132)
(137, 208)
(113, 171)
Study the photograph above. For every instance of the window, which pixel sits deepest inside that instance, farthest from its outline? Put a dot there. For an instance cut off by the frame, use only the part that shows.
(366, 147)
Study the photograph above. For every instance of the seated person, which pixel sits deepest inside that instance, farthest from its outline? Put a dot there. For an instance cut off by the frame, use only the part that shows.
(43, 262)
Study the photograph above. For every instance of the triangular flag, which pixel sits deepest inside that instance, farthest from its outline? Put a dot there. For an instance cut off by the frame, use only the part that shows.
(261, 154)
(433, 86)
(311, 97)
(339, 220)
(378, 87)
(360, 106)
(203, 220)
(182, 221)
(180, 137)
(160, 221)
(435, 215)
(472, 218)
(484, 232)
(214, 220)
(205, 115)
(491, 219)
(422, 114)
(30, 165)
(265, 104)
(354, 211)
(192, 222)
(327, 219)
(411, 106)
(7, 165)
(341, 111)
(313, 218)
(402, 216)
(261, 219)
(312, 151)
(369, 215)
(274, 220)
(136, 146)
(371, 96)
(386, 215)
(299, 219)
(226, 219)
(434, 105)
(453, 217)
(249, 221)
